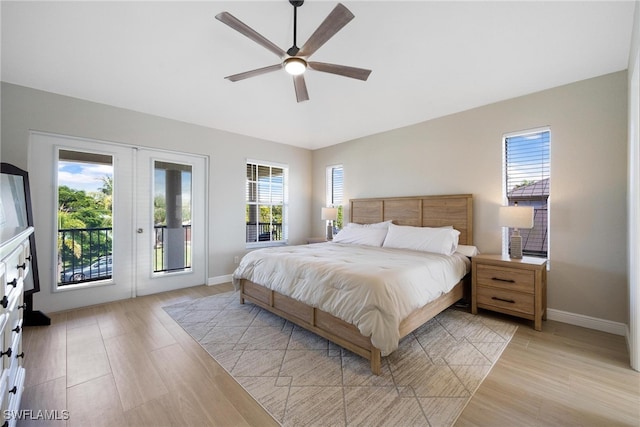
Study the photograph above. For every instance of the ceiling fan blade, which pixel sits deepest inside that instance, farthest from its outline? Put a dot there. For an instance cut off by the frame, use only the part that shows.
(341, 70)
(301, 88)
(338, 18)
(241, 27)
(253, 73)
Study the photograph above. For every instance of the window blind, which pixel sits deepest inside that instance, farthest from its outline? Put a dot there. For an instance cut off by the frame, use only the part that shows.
(526, 159)
(265, 213)
(527, 174)
(336, 185)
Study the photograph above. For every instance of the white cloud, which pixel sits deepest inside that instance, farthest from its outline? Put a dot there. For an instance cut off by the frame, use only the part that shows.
(83, 176)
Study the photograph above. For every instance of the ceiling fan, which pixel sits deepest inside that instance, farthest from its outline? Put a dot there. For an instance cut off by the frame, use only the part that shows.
(295, 60)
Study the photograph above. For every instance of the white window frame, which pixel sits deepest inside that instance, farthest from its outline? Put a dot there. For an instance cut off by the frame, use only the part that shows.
(329, 190)
(285, 205)
(506, 231)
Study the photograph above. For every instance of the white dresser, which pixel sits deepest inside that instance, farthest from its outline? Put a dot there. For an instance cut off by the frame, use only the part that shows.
(15, 261)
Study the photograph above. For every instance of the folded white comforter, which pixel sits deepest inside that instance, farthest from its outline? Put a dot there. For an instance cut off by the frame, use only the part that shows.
(372, 288)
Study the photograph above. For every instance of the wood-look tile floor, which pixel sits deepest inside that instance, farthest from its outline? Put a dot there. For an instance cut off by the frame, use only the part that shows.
(128, 363)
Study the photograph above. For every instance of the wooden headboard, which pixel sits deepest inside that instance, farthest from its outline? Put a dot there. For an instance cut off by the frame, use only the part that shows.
(418, 211)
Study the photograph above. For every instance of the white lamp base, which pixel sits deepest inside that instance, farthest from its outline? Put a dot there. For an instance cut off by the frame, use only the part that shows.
(329, 231)
(515, 245)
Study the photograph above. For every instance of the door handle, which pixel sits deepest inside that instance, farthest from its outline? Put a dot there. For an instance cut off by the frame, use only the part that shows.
(139, 230)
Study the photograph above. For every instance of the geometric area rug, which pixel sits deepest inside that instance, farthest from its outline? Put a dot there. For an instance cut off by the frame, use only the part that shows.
(302, 379)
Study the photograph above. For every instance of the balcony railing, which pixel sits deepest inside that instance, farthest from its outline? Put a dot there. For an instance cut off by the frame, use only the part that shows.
(84, 254)
(159, 258)
(263, 232)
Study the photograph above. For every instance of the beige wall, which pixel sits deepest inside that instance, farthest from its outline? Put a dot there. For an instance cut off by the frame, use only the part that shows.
(25, 109)
(453, 154)
(462, 153)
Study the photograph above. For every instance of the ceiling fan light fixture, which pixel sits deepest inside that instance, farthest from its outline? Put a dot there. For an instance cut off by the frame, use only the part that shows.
(295, 66)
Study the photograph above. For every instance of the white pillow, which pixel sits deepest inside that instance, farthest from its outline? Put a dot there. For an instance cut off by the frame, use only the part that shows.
(438, 240)
(367, 236)
(468, 250)
(384, 224)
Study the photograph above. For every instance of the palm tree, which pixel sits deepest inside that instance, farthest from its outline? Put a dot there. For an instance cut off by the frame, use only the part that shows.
(105, 193)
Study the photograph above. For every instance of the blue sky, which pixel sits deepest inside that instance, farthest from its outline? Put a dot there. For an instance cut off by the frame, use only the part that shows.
(88, 177)
(82, 176)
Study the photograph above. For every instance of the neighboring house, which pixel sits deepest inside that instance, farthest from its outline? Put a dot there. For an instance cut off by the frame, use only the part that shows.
(536, 194)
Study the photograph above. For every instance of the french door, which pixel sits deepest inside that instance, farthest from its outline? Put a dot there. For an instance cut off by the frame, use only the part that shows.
(149, 235)
(170, 221)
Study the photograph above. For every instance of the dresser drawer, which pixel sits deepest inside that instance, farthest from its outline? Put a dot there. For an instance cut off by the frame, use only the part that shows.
(506, 278)
(14, 265)
(15, 362)
(14, 395)
(26, 257)
(13, 331)
(493, 298)
(4, 388)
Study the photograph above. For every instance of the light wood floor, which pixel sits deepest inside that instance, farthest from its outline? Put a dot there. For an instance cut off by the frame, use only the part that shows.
(129, 363)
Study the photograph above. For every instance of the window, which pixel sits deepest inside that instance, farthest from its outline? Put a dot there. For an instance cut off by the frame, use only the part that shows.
(85, 213)
(266, 197)
(334, 192)
(526, 183)
(171, 216)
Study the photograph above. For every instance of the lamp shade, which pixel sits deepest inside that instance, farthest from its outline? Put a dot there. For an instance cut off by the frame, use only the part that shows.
(329, 214)
(516, 216)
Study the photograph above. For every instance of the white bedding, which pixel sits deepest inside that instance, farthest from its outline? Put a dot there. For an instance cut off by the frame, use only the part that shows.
(372, 288)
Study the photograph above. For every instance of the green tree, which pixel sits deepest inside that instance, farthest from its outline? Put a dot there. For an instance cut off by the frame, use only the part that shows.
(105, 193)
(79, 212)
(71, 200)
(159, 210)
(524, 183)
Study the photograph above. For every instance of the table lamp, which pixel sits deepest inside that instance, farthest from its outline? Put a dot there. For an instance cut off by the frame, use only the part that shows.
(516, 217)
(329, 214)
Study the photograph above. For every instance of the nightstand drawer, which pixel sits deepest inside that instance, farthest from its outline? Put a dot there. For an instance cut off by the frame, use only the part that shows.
(507, 278)
(505, 299)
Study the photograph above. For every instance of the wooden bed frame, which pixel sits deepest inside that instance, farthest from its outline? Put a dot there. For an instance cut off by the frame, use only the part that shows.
(421, 211)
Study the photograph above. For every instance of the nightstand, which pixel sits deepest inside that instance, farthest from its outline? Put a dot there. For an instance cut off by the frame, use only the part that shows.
(512, 286)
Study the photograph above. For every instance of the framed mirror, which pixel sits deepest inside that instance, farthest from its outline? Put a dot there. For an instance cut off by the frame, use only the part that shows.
(15, 216)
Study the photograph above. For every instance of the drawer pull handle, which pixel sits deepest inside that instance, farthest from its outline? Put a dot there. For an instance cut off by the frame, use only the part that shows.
(13, 283)
(22, 266)
(14, 390)
(6, 353)
(23, 306)
(504, 300)
(4, 301)
(28, 258)
(503, 280)
(20, 355)
(16, 329)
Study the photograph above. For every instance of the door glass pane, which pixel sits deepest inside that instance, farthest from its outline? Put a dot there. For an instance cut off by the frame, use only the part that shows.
(171, 217)
(85, 217)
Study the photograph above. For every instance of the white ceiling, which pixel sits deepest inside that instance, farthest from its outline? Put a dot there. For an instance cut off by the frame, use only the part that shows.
(429, 59)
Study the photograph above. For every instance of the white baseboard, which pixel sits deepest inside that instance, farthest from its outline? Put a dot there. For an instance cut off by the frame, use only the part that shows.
(587, 322)
(218, 280)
